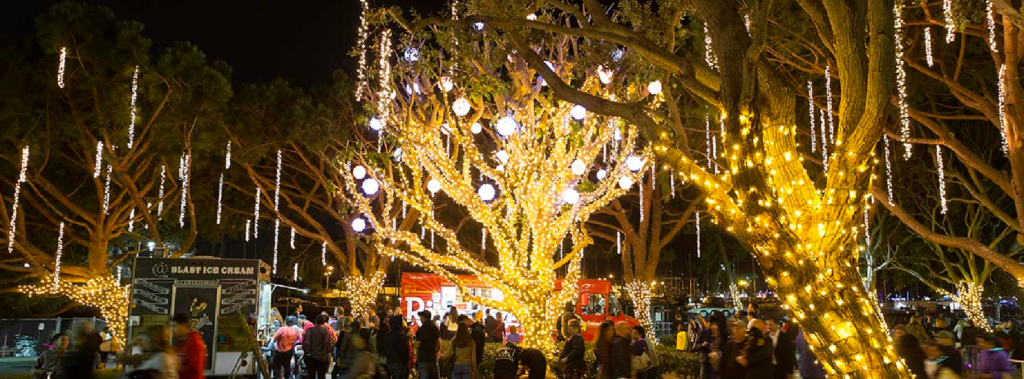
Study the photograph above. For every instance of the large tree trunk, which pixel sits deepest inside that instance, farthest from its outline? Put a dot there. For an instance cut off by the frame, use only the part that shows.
(640, 292)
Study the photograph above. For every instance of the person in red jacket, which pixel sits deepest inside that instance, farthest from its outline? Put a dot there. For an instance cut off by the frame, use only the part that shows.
(191, 349)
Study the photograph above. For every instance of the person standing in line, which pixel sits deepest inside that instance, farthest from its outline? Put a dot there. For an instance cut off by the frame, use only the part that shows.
(498, 332)
(451, 323)
(569, 313)
(284, 349)
(810, 368)
(476, 330)
(620, 354)
(427, 347)
(464, 350)
(731, 366)
(757, 353)
(572, 356)
(49, 364)
(158, 360)
(681, 338)
(345, 349)
(318, 343)
(490, 323)
(993, 362)
(191, 348)
(300, 326)
(397, 349)
(917, 329)
(783, 354)
(639, 349)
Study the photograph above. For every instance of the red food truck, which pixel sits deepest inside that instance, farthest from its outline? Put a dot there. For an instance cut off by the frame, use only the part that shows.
(596, 301)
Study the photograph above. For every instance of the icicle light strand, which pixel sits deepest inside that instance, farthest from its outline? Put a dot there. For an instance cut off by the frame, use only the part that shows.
(810, 109)
(220, 195)
(98, 167)
(828, 106)
(947, 13)
(824, 140)
(696, 221)
(901, 82)
(291, 243)
(991, 20)
(131, 221)
(248, 228)
(707, 138)
(867, 231)
(295, 272)
(106, 191)
(135, 96)
(227, 157)
(60, 66)
(256, 216)
(709, 54)
(277, 226)
(160, 193)
(888, 168)
(618, 242)
(323, 254)
(57, 256)
(364, 31)
(184, 188)
(22, 177)
(928, 46)
(1002, 108)
(942, 178)
(277, 183)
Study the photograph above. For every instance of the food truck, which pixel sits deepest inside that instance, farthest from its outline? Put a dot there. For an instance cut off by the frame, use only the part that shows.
(596, 300)
(221, 296)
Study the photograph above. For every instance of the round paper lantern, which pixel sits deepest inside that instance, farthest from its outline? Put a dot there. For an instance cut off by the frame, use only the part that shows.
(446, 84)
(412, 54)
(476, 128)
(507, 126)
(359, 224)
(359, 172)
(634, 163)
(433, 186)
(502, 156)
(625, 182)
(486, 192)
(570, 196)
(460, 106)
(606, 75)
(601, 174)
(578, 167)
(370, 186)
(654, 87)
(578, 112)
(376, 124)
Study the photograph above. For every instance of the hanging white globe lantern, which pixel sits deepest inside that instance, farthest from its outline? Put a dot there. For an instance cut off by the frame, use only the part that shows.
(625, 182)
(605, 74)
(486, 192)
(654, 87)
(433, 186)
(460, 106)
(476, 128)
(446, 84)
(359, 224)
(578, 167)
(507, 126)
(531, 17)
(411, 54)
(634, 163)
(570, 196)
(370, 186)
(359, 172)
(398, 154)
(578, 112)
(617, 135)
(502, 156)
(478, 26)
(601, 174)
(617, 55)
(376, 124)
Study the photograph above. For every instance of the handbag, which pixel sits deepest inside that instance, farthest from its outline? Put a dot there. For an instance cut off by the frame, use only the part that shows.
(641, 362)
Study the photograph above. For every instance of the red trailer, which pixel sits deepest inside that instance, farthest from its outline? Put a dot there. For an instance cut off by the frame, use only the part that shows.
(596, 302)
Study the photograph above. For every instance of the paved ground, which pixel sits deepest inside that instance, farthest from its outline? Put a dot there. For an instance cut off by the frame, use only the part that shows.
(10, 368)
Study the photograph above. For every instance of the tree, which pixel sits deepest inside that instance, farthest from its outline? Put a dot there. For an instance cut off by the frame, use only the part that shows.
(640, 240)
(533, 175)
(967, 103)
(799, 219)
(100, 172)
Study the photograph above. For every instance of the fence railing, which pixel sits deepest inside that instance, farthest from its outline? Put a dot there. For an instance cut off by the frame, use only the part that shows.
(27, 337)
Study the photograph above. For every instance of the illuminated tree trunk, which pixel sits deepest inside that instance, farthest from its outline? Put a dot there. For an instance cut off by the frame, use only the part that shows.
(363, 290)
(640, 292)
(969, 297)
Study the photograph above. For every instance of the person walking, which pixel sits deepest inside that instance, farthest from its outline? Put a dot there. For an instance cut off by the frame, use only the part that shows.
(732, 367)
(344, 348)
(49, 364)
(158, 360)
(464, 349)
(642, 362)
(490, 324)
(190, 348)
(783, 353)
(809, 366)
(284, 349)
(917, 329)
(105, 346)
(938, 365)
(572, 356)
(757, 351)
(318, 343)
(603, 346)
(993, 362)
(909, 348)
(946, 343)
(396, 346)
(620, 353)
(362, 365)
(428, 346)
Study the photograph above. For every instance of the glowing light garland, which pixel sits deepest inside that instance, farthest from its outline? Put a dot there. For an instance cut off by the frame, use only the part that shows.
(707, 139)
(709, 54)
(901, 82)
(1002, 108)
(295, 275)
(323, 254)
(942, 178)
(131, 221)
(291, 243)
(220, 195)
(928, 46)
(618, 242)
(483, 240)
(640, 292)
(362, 291)
(824, 140)
(810, 108)
(277, 182)
(947, 13)
(160, 192)
(672, 183)
(969, 296)
(106, 191)
(98, 168)
(256, 216)
(364, 29)
(135, 96)
(22, 177)
(60, 66)
(991, 20)
(57, 256)
(185, 174)
(828, 106)
(102, 292)
(277, 226)
(248, 227)
(696, 222)
(888, 168)
(867, 231)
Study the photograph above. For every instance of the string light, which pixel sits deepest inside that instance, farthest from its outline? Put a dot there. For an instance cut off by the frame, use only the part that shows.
(824, 140)
(248, 227)
(57, 257)
(828, 106)
(672, 183)
(277, 183)
(707, 138)
(640, 189)
(160, 194)
(867, 231)
(364, 30)
(291, 243)
(220, 194)
(101, 292)
(295, 275)
(901, 82)
(256, 216)
(135, 95)
(810, 108)
(928, 46)
(131, 221)
(22, 177)
(60, 66)
(888, 168)
(1002, 108)
(618, 242)
(709, 54)
(640, 292)
(942, 178)
(991, 20)
(106, 191)
(277, 227)
(227, 156)
(185, 173)
(98, 168)
(947, 12)
(483, 240)
(362, 292)
(696, 222)
(323, 253)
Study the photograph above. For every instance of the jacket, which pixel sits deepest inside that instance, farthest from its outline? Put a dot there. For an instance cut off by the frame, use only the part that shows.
(995, 362)
(809, 366)
(318, 343)
(192, 357)
(784, 353)
(50, 361)
(620, 359)
(573, 353)
(396, 347)
(479, 338)
(759, 354)
(465, 355)
(910, 350)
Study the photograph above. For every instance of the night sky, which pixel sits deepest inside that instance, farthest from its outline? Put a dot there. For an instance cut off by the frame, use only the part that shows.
(303, 41)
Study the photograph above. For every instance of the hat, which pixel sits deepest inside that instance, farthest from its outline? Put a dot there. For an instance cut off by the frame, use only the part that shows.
(945, 334)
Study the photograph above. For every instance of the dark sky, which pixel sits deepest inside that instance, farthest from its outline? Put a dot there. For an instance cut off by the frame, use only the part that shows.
(303, 41)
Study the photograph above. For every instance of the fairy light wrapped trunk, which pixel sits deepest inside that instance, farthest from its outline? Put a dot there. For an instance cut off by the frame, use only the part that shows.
(102, 292)
(529, 200)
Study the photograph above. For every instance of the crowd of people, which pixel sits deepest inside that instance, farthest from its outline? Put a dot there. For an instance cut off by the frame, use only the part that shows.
(150, 355)
(934, 347)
